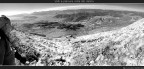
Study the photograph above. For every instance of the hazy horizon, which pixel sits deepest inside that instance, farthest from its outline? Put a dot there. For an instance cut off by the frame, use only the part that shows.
(19, 8)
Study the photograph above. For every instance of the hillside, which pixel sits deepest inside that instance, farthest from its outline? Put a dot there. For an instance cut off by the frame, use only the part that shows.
(121, 47)
(76, 22)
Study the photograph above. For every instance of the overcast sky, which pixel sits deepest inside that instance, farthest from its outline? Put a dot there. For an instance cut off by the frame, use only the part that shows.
(17, 8)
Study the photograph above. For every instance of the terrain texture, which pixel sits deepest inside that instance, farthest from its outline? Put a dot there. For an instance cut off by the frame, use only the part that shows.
(84, 37)
(118, 47)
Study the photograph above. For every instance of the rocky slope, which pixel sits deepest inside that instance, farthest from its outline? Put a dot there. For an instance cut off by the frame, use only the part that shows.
(118, 47)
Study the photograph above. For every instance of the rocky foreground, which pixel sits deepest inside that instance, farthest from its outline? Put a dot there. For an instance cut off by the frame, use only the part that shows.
(123, 47)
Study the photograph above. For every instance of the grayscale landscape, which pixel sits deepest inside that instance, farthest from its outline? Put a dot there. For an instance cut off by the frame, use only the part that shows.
(80, 37)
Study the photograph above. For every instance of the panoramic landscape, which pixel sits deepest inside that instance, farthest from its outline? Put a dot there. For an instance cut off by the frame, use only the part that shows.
(79, 35)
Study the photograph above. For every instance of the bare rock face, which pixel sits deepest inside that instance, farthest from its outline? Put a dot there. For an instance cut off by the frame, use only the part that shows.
(123, 47)
(2, 22)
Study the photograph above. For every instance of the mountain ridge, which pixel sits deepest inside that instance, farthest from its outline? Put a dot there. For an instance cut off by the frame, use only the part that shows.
(135, 25)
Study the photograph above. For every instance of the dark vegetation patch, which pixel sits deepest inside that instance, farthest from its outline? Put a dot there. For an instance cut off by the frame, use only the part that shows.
(83, 41)
(39, 34)
(70, 26)
(49, 25)
(20, 58)
(27, 57)
(99, 39)
(62, 60)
